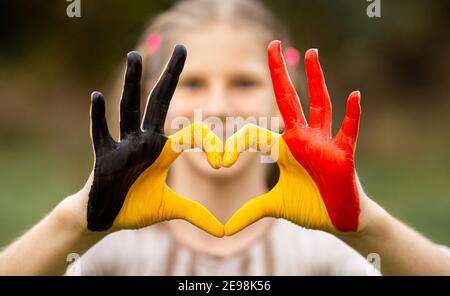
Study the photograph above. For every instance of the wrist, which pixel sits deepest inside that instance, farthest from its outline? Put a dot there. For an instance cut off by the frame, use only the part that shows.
(373, 222)
(71, 213)
(371, 215)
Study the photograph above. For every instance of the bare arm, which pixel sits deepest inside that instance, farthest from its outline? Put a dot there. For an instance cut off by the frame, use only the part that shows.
(318, 187)
(402, 250)
(127, 188)
(43, 250)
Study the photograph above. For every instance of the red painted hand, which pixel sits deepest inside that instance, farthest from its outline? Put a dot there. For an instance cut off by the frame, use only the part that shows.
(318, 186)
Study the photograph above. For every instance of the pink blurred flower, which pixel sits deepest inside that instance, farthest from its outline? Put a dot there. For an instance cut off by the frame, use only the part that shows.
(154, 41)
(291, 56)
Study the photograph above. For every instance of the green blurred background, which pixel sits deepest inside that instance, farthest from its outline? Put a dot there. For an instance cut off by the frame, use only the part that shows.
(50, 63)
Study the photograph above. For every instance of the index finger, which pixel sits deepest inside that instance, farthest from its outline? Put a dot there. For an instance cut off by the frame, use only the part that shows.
(285, 93)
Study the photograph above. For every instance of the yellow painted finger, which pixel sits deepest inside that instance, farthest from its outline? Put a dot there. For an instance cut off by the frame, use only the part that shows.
(249, 136)
(266, 205)
(177, 207)
(199, 135)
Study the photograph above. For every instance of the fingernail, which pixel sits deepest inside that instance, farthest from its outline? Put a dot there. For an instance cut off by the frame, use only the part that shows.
(217, 161)
(214, 160)
(312, 53)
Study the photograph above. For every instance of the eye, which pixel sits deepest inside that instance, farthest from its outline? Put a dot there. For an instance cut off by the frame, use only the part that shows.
(243, 83)
(192, 83)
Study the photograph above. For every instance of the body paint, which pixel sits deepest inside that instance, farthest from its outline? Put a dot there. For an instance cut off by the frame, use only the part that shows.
(129, 189)
(317, 186)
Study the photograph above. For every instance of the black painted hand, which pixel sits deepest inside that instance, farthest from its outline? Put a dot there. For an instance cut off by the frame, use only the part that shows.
(129, 189)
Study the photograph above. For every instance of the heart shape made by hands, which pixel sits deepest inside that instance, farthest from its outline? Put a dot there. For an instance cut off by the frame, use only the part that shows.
(317, 187)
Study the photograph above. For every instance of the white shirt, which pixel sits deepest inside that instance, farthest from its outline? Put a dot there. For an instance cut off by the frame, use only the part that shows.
(286, 249)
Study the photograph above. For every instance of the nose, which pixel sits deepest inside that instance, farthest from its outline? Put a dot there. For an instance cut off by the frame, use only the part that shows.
(217, 104)
(217, 108)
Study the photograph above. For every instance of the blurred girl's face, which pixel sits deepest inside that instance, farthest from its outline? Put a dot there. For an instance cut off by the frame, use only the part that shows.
(225, 75)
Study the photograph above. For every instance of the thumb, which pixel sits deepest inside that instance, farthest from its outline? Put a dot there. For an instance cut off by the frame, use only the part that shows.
(177, 207)
(255, 209)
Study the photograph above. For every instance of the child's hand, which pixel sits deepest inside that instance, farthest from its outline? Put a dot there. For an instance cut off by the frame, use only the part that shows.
(129, 188)
(317, 187)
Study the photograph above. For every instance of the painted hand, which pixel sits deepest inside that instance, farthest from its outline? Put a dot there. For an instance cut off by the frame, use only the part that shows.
(317, 187)
(129, 188)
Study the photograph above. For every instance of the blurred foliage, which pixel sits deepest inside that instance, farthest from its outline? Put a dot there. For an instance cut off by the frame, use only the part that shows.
(50, 63)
